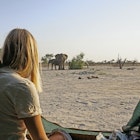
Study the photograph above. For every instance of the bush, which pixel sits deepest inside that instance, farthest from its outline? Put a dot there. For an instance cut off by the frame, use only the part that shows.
(77, 62)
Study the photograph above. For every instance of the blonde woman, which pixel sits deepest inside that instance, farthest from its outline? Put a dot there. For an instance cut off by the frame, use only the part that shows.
(19, 86)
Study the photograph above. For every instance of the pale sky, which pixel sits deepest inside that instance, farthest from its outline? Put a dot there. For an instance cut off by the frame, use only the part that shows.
(101, 29)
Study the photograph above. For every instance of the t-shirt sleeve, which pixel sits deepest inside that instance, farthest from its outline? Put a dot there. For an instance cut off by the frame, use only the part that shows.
(27, 100)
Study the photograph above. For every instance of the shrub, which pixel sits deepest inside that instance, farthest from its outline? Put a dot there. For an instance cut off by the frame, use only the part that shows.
(77, 62)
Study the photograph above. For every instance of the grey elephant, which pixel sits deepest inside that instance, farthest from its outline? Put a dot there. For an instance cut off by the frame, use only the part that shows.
(53, 63)
(61, 58)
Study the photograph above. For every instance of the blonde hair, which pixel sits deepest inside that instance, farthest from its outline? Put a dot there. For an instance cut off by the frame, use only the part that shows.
(21, 54)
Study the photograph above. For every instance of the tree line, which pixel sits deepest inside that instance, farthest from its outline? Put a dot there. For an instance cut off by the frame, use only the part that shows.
(77, 62)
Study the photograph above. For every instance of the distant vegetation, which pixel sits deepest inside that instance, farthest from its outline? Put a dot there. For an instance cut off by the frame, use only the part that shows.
(46, 58)
(77, 62)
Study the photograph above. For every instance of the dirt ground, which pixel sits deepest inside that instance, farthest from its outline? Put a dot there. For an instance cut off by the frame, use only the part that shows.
(97, 98)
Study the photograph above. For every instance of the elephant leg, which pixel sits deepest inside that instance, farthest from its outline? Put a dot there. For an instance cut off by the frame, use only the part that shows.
(59, 67)
(63, 66)
(52, 66)
(55, 67)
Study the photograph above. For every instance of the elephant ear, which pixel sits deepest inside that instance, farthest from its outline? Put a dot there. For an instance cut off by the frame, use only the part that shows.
(66, 56)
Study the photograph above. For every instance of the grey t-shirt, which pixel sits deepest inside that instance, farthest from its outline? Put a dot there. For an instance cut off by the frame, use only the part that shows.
(18, 99)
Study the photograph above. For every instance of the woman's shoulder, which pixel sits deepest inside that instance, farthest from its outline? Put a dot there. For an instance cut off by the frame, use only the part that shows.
(25, 88)
(25, 84)
(15, 81)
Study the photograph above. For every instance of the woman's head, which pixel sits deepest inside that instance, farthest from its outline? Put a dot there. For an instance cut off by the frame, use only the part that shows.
(20, 53)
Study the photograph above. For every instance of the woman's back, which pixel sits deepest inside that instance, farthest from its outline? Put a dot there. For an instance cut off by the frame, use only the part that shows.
(13, 103)
(19, 86)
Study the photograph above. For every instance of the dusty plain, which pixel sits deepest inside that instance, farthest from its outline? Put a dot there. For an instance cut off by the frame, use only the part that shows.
(94, 98)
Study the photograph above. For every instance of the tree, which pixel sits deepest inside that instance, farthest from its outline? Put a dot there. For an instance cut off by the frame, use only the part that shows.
(46, 58)
(121, 62)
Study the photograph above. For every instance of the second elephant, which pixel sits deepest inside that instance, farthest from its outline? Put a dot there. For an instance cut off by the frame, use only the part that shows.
(53, 63)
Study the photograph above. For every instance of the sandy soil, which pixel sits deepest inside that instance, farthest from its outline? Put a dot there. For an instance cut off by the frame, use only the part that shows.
(97, 98)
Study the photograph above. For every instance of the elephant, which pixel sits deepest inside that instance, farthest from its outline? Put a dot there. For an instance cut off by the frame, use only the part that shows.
(61, 58)
(53, 62)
